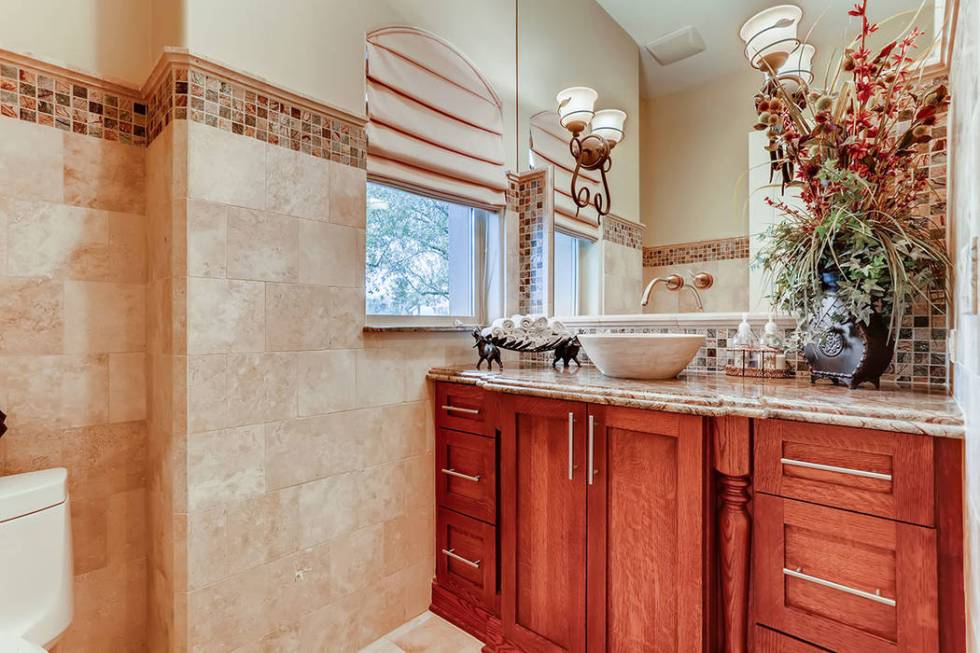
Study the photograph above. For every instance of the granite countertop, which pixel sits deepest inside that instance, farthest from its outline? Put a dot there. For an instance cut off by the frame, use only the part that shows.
(893, 408)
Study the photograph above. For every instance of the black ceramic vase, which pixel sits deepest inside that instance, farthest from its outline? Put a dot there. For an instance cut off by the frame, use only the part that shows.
(845, 350)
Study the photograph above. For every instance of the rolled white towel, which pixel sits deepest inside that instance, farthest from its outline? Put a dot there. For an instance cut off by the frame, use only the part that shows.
(504, 323)
(557, 327)
(540, 323)
(526, 322)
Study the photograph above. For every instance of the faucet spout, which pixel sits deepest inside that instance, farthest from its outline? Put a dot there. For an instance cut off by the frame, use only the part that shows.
(697, 298)
(673, 282)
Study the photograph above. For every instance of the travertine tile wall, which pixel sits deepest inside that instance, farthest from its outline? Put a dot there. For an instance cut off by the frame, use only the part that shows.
(965, 218)
(309, 458)
(72, 325)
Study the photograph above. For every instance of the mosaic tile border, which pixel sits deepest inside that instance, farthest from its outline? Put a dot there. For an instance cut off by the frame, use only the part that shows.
(722, 249)
(48, 95)
(529, 192)
(37, 95)
(622, 232)
(189, 92)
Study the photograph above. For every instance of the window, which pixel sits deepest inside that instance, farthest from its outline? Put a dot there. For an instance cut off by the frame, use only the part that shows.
(424, 257)
(567, 251)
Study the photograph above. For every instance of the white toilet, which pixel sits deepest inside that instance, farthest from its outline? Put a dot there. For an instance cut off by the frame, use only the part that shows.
(35, 560)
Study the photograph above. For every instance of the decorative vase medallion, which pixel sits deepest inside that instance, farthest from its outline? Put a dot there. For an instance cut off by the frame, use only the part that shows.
(845, 350)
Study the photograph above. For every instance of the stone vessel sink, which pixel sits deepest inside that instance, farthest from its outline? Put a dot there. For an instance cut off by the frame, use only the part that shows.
(641, 355)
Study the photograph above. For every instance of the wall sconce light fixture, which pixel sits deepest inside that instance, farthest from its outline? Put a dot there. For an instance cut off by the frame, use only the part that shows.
(576, 110)
(770, 36)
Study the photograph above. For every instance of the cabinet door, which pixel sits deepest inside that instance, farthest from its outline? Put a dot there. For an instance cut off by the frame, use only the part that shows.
(542, 518)
(646, 532)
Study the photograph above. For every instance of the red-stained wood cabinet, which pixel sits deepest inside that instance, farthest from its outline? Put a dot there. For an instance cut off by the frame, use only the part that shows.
(572, 527)
(602, 528)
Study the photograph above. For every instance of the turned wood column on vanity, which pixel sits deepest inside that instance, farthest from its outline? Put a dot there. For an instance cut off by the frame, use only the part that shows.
(732, 460)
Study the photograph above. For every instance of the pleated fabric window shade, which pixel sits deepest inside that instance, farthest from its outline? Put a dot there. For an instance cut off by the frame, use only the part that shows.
(435, 123)
(549, 147)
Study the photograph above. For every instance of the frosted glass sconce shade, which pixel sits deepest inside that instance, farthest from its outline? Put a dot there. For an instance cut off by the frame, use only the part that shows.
(608, 123)
(576, 106)
(799, 67)
(770, 36)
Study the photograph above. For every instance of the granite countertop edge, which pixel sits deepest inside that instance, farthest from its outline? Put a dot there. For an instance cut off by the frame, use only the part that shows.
(943, 422)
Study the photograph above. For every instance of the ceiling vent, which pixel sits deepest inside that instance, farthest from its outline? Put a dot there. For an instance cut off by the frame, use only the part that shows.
(685, 42)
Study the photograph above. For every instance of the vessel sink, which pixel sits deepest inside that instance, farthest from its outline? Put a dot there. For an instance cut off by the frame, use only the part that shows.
(641, 355)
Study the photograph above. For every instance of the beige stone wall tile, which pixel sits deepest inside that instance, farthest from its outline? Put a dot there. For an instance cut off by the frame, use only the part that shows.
(225, 316)
(56, 390)
(89, 534)
(127, 387)
(104, 317)
(261, 387)
(262, 529)
(419, 475)
(356, 559)
(404, 431)
(207, 543)
(56, 241)
(297, 184)
(127, 524)
(31, 445)
(225, 466)
(408, 539)
(381, 491)
(110, 610)
(334, 501)
(326, 381)
(313, 317)
(207, 392)
(348, 196)
(103, 174)
(224, 167)
(330, 255)
(105, 459)
(262, 246)
(302, 450)
(127, 248)
(380, 377)
(31, 316)
(31, 161)
(332, 627)
(207, 237)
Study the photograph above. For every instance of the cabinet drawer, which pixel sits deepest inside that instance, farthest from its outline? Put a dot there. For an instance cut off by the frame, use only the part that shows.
(461, 407)
(874, 472)
(770, 641)
(466, 557)
(844, 581)
(466, 474)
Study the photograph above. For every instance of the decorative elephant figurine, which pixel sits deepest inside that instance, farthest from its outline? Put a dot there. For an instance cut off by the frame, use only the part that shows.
(488, 351)
(568, 351)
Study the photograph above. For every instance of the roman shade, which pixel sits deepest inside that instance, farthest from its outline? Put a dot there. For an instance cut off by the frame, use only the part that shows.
(435, 123)
(549, 147)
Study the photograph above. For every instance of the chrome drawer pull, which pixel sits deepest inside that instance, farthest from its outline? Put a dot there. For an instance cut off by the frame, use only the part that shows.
(591, 449)
(571, 445)
(878, 598)
(457, 409)
(833, 468)
(453, 472)
(471, 563)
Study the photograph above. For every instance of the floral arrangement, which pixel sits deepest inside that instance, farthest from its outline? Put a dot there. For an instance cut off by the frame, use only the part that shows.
(855, 151)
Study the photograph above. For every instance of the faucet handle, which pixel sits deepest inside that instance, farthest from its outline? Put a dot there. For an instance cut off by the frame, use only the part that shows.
(702, 280)
(674, 282)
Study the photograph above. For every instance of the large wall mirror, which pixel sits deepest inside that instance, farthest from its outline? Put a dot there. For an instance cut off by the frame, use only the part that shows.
(689, 180)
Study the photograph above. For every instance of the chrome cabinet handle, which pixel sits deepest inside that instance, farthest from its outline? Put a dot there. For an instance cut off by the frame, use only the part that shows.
(453, 472)
(571, 444)
(877, 597)
(468, 411)
(832, 468)
(472, 563)
(591, 449)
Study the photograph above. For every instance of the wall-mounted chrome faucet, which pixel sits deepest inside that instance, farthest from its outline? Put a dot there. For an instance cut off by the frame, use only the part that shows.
(675, 282)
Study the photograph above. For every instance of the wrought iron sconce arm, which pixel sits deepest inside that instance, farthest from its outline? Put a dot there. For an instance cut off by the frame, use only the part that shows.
(591, 152)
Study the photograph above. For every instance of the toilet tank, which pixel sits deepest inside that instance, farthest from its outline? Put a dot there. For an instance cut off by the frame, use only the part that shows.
(35, 556)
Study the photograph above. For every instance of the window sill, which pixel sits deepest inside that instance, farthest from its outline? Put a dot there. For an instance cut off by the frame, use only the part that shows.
(406, 328)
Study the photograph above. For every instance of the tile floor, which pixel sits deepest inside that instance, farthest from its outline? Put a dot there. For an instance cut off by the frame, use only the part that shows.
(426, 633)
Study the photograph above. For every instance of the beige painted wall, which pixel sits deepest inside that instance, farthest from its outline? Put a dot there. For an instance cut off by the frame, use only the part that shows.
(104, 37)
(695, 160)
(566, 43)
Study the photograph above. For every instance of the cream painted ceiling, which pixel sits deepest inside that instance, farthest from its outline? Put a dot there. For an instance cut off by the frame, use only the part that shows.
(719, 22)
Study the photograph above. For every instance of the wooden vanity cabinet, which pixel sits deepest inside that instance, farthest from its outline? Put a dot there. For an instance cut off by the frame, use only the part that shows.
(602, 528)
(572, 527)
